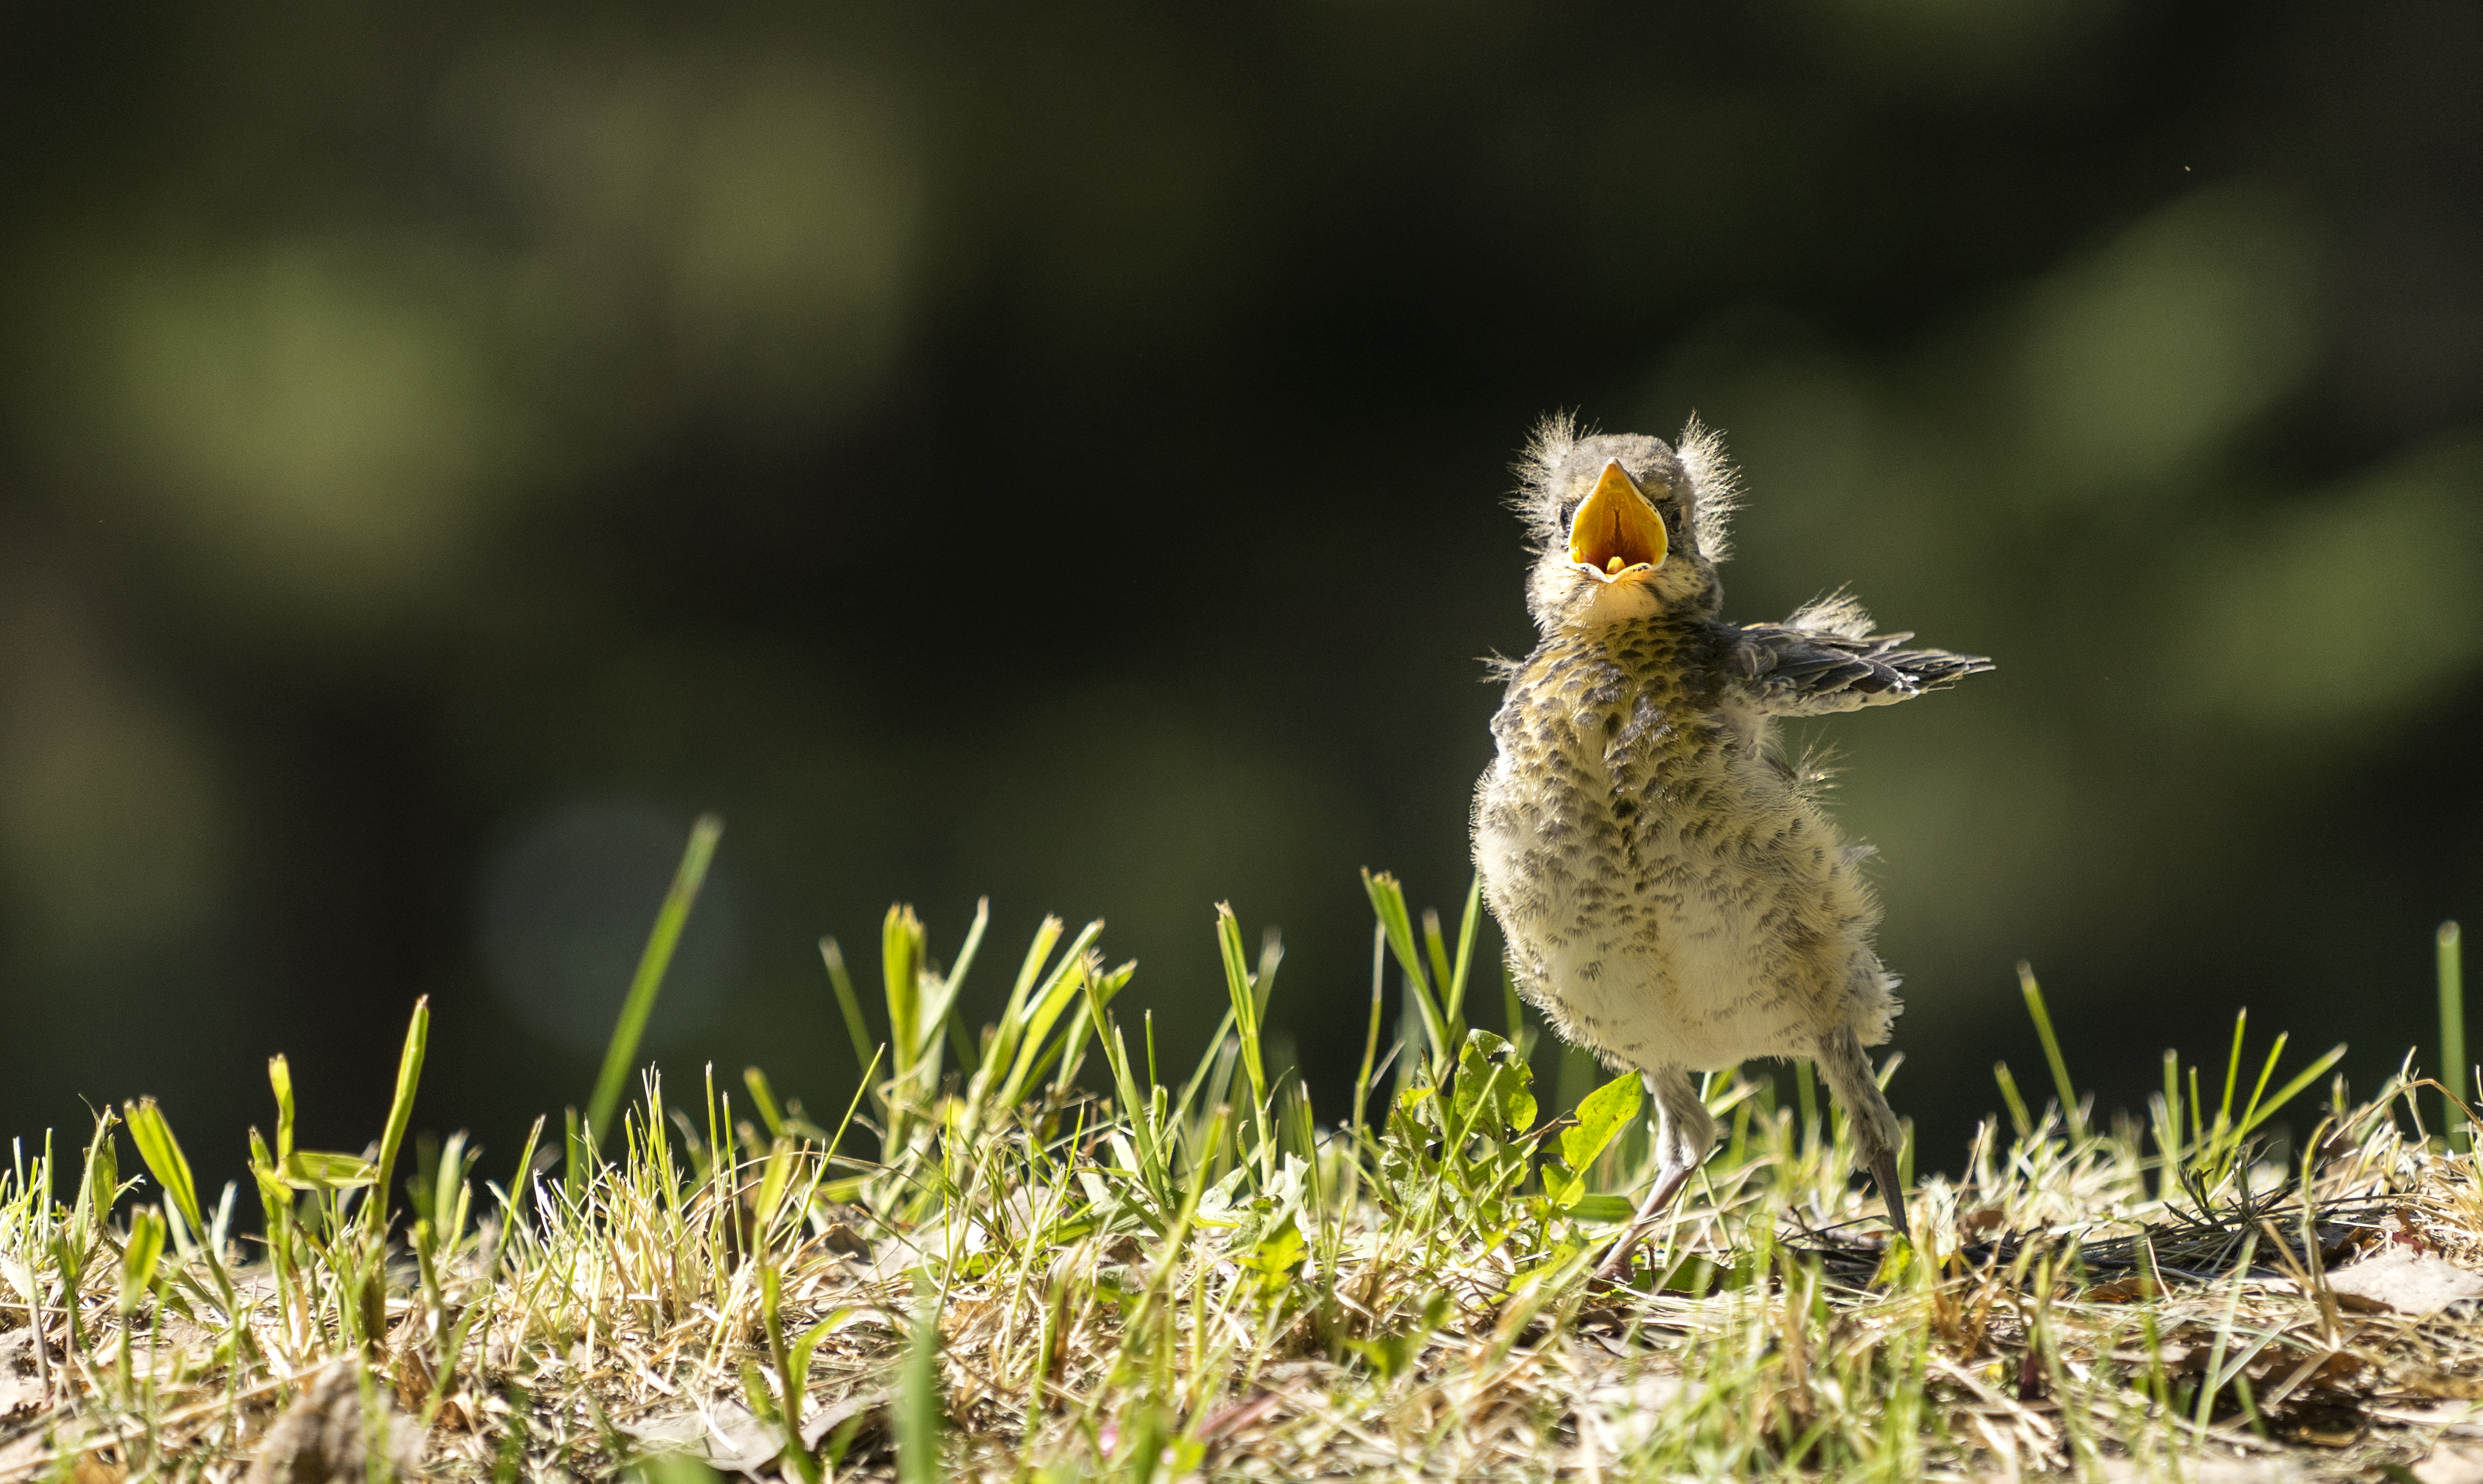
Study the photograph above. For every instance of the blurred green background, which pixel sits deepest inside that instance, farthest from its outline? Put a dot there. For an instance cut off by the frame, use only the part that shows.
(1055, 452)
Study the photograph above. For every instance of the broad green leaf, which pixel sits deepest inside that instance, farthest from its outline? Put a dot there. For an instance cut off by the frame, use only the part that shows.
(1602, 1114)
(1275, 1259)
(1494, 1092)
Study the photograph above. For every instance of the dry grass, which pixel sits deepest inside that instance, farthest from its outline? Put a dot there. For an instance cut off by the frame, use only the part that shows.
(1200, 1280)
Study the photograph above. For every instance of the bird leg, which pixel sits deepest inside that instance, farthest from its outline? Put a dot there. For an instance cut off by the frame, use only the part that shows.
(1683, 1133)
(1847, 1072)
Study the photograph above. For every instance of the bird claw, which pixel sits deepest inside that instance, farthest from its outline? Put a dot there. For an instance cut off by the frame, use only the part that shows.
(1893, 1193)
(1668, 1189)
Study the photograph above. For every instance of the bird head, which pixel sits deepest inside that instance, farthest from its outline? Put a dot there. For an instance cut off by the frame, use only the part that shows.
(1624, 525)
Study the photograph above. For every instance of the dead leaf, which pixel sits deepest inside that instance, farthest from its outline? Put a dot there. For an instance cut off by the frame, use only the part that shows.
(2434, 1414)
(91, 1470)
(2292, 1366)
(414, 1379)
(18, 1394)
(2450, 1466)
(22, 1457)
(725, 1434)
(2407, 1281)
(1242, 1415)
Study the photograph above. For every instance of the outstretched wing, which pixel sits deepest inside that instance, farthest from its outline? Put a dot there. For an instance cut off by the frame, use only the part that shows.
(1795, 670)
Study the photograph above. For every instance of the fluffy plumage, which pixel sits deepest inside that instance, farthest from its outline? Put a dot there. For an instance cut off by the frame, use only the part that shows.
(1674, 896)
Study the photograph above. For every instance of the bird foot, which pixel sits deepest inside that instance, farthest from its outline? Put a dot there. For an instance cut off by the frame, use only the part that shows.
(1668, 1189)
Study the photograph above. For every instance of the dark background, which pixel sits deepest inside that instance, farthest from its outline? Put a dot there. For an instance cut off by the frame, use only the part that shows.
(1055, 451)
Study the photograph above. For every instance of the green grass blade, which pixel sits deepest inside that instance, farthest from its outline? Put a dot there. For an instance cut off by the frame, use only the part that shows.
(1030, 973)
(574, 1154)
(2167, 1134)
(1371, 1036)
(2259, 1090)
(2454, 1069)
(836, 1141)
(1245, 1004)
(1246, 1024)
(763, 1095)
(1014, 1022)
(1200, 1076)
(279, 1077)
(940, 997)
(848, 1003)
(2232, 1069)
(901, 974)
(1388, 902)
(2018, 1118)
(675, 915)
(919, 1408)
(1035, 1045)
(1436, 955)
(2033, 995)
(1137, 1108)
(1271, 957)
(162, 1153)
(409, 1078)
(521, 1181)
(447, 1198)
(2290, 1089)
(955, 978)
(139, 1256)
(1460, 973)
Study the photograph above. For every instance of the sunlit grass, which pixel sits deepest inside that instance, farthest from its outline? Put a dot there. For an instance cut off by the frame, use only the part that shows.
(1043, 1248)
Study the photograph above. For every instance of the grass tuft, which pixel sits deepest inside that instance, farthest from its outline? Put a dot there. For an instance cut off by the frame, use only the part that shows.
(1044, 1249)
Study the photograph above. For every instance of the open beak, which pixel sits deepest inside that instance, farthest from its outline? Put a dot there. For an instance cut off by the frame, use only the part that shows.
(1616, 535)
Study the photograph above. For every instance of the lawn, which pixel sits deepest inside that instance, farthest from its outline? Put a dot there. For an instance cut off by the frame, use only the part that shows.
(1044, 1248)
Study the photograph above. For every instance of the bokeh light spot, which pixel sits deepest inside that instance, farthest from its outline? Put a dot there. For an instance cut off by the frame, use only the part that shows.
(113, 827)
(315, 426)
(2144, 356)
(2341, 608)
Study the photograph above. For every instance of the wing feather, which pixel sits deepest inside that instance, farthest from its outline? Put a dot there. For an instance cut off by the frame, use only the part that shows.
(1810, 669)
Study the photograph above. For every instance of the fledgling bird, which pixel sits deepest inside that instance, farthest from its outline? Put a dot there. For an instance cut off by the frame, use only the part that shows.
(1674, 898)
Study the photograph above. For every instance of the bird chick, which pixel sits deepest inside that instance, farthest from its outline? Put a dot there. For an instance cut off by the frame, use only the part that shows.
(1673, 897)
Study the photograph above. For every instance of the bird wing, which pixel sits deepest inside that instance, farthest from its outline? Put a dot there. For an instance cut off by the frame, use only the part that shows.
(1795, 670)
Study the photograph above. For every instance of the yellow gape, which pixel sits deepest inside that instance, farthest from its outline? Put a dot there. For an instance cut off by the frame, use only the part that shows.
(1616, 532)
